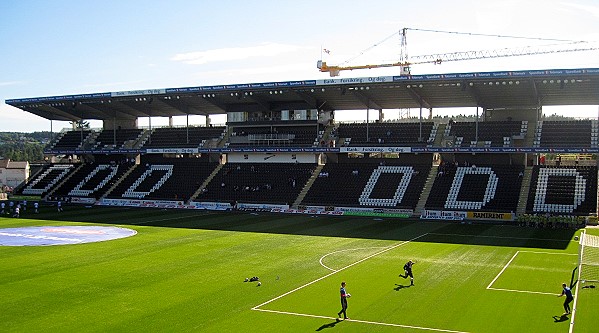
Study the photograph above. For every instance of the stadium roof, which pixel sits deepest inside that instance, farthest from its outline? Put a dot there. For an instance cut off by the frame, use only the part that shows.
(506, 89)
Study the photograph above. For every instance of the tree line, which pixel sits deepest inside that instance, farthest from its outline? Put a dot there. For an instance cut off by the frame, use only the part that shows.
(22, 147)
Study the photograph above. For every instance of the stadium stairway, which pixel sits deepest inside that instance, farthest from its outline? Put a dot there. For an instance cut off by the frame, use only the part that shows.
(143, 138)
(439, 136)
(225, 138)
(55, 140)
(529, 139)
(327, 132)
(134, 143)
(90, 141)
(206, 182)
(123, 177)
(524, 190)
(64, 180)
(306, 188)
(430, 180)
(31, 177)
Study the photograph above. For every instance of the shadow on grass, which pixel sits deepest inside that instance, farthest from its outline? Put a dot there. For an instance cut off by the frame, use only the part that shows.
(559, 319)
(327, 226)
(400, 287)
(329, 325)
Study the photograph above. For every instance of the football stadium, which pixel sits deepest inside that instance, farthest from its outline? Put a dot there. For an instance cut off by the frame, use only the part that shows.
(253, 225)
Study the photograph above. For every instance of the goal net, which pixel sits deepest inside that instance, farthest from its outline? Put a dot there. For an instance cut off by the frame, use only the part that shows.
(588, 258)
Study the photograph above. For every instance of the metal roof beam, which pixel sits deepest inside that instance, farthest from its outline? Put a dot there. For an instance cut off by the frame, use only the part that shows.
(419, 99)
(56, 114)
(132, 108)
(92, 112)
(213, 101)
(473, 92)
(261, 102)
(366, 100)
(535, 92)
(308, 98)
(184, 108)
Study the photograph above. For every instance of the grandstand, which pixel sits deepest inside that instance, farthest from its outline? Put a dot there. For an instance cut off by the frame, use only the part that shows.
(281, 148)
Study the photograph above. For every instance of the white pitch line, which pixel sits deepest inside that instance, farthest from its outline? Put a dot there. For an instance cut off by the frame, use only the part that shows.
(504, 267)
(523, 291)
(362, 321)
(577, 284)
(502, 237)
(541, 252)
(346, 250)
(337, 271)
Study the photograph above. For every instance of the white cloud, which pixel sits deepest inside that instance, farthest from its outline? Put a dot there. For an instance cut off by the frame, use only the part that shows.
(113, 84)
(281, 72)
(235, 53)
(10, 83)
(593, 10)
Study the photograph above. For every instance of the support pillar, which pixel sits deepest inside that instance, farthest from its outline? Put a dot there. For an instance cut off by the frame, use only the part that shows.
(420, 125)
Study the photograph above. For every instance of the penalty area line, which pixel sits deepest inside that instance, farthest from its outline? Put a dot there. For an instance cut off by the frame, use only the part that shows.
(361, 321)
(542, 252)
(337, 271)
(515, 290)
(504, 267)
(523, 291)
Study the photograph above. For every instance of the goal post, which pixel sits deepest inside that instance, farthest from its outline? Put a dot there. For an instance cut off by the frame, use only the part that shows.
(588, 258)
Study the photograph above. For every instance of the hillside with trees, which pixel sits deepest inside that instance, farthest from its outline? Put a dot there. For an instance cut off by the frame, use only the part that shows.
(23, 146)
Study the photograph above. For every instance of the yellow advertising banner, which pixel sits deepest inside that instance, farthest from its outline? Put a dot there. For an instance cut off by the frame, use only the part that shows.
(490, 216)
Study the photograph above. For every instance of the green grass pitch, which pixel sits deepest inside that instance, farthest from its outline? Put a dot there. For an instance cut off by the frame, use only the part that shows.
(184, 271)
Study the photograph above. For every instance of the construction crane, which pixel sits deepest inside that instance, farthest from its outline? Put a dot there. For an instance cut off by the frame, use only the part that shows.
(404, 63)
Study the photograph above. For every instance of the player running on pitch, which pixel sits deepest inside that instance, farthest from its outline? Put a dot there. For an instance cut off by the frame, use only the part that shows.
(408, 272)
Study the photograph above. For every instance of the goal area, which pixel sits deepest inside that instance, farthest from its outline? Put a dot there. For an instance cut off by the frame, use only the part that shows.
(588, 258)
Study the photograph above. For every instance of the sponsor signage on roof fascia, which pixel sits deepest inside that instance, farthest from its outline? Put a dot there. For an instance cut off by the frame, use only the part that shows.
(375, 150)
(138, 92)
(57, 98)
(172, 151)
(362, 80)
(531, 73)
(357, 80)
(332, 150)
(518, 74)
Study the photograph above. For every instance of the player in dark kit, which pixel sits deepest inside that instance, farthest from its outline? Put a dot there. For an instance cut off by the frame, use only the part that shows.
(569, 298)
(408, 272)
(344, 296)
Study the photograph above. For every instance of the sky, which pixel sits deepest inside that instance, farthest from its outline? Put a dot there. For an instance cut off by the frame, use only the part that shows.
(63, 47)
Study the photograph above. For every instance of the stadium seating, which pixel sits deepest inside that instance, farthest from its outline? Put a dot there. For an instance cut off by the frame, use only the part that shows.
(490, 133)
(275, 183)
(566, 134)
(71, 140)
(563, 190)
(46, 179)
(92, 180)
(372, 184)
(162, 178)
(385, 134)
(115, 139)
(488, 188)
(182, 137)
(276, 135)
